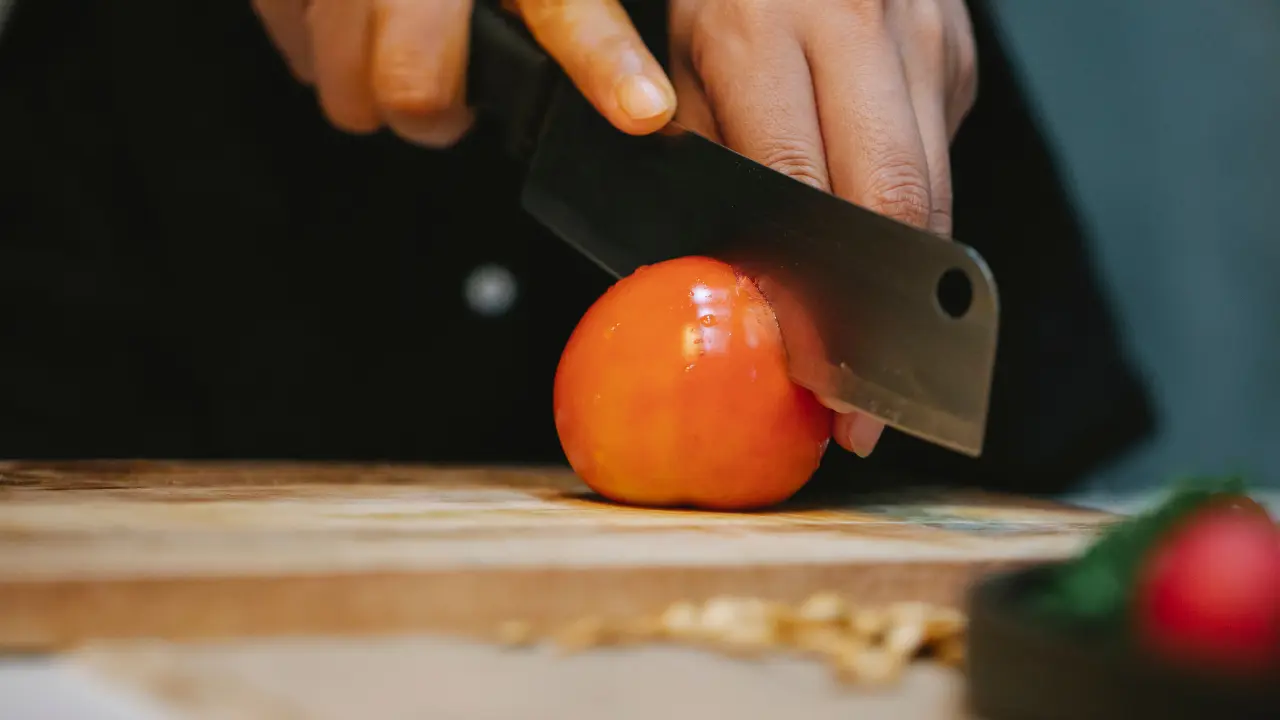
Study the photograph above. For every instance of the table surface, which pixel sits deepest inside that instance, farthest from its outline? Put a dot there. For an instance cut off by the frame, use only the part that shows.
(510, 684)
(416, 677)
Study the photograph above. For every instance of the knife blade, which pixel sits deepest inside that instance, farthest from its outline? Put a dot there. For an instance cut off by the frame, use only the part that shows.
(880, 316)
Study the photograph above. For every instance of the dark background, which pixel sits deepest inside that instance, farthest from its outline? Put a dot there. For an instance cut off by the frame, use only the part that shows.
(195, 265)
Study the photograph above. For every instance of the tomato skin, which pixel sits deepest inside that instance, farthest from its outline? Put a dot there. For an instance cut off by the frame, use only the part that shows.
(673, 391)
(1209, 594)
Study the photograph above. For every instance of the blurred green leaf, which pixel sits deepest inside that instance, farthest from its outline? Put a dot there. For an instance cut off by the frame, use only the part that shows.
(1095, 589)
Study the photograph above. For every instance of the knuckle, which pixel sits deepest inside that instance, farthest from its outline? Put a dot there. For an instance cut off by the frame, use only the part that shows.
(929, 23)
(868, 11)
(940, 194)
(899, 190)
(401, 86)
(738, 21)
(751, 15)
(537, 13)
(725, 34)
(941, 221)
(797, 159)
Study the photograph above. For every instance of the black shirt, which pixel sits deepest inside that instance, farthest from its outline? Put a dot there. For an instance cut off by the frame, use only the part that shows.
(196, 265)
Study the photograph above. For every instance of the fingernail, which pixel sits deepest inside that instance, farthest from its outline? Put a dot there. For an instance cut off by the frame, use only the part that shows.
(864, 433)
(641, 99)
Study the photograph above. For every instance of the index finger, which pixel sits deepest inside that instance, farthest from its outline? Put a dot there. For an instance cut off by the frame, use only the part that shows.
(597, 45)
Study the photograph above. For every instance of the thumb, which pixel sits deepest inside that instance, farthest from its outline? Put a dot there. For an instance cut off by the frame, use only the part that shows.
(599, 49)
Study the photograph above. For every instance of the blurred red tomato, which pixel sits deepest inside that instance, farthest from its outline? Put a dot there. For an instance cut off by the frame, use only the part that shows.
(673, 391)
(1210, 592)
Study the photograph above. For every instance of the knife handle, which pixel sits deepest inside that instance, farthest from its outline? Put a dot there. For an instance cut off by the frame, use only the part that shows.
(509, 77)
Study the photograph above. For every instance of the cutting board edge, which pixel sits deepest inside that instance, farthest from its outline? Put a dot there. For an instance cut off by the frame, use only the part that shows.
(43, 617)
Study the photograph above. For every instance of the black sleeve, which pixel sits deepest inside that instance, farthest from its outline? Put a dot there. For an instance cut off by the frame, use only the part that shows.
(197, 265)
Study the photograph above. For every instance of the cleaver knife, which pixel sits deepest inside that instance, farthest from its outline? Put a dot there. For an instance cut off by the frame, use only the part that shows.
(880, 316)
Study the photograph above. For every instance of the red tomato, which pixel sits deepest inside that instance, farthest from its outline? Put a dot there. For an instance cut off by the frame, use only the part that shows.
(673, 391)
(1210, 592)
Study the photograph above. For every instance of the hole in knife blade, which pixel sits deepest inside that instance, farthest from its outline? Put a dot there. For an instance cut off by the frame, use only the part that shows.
(954, 293)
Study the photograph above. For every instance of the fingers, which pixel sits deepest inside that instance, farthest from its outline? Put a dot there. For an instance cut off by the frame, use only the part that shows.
(939, 77)
(286, 24)
(757, 80)
(418, 68)
(400, 63)
(874, 153)
(403, 62)
(921, 35)
(852, 430)
(932, 118)
(340, 37)
(600, 50)
(857, 433)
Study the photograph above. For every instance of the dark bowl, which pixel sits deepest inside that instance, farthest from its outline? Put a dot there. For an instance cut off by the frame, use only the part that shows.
(1023, 668)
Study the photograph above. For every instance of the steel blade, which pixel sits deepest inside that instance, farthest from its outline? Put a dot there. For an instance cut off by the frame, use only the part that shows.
(856, 294)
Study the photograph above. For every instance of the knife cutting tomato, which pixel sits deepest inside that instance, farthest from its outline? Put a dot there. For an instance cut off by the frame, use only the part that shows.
(896, 76)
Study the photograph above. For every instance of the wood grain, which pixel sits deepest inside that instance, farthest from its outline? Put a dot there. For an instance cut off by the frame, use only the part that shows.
(200, 550)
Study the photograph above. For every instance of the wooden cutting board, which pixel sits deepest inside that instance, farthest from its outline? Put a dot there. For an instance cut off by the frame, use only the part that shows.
(192, 550)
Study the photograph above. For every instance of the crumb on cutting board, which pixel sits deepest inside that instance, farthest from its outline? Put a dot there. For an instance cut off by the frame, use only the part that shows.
(861, 644)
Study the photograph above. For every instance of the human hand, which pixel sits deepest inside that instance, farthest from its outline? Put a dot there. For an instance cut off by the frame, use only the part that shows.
(857, 97)
(402, 63)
